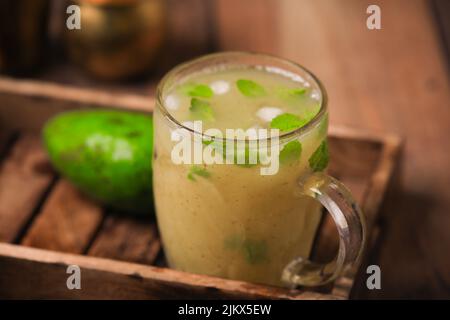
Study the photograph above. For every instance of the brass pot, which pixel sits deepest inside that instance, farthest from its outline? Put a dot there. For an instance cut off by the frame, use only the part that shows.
(118, 38)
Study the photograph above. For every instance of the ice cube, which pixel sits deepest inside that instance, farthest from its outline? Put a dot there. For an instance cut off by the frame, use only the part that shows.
(268, 113)
(315, 94)
(220, 87)
(172, 102)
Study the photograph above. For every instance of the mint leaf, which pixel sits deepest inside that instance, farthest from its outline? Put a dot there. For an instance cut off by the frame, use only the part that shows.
(297, 92)
(290, 95)
(197, 171)
(319, 159)
(255, 251)
(250, 88)
(287, 122)
(291, 152)
(198, 90)
(201, 109)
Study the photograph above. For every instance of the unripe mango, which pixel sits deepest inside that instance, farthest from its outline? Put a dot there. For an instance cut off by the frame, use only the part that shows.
(107, 154)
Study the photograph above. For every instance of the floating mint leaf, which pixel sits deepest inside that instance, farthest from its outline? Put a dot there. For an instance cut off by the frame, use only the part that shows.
(250, 88)
(197, 90)
(290, 95)
(255, 251)
(201, 109)
(287, 122)
(197, 171)
(207, 142)
(291, 152)
(297, 92)
(319, 159)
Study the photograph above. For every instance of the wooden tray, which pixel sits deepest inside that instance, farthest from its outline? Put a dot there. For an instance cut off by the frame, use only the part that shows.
(46, 225)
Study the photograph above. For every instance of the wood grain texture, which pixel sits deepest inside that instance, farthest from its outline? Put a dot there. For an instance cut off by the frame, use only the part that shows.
(41, 274)
(389, 80)
(67, 222)
(24, 178)
(127, 239)
(30, 102)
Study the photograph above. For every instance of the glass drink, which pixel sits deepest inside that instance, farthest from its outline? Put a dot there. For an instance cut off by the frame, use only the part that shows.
(229, 220)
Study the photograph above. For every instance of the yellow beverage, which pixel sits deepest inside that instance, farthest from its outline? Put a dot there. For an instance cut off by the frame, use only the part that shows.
(229, 220)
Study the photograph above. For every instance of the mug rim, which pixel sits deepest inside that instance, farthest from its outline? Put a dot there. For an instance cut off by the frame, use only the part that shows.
(232, 54)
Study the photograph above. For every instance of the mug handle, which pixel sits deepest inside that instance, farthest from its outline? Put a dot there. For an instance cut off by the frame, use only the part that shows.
(349, 220)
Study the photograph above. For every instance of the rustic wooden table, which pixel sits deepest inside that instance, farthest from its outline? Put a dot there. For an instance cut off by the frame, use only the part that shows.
(390, 80)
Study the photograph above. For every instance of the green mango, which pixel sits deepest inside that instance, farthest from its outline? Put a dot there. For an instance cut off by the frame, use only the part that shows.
(107, 154)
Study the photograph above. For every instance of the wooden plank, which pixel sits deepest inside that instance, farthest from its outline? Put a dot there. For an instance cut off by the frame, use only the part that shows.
(67, 223)
(22, 98)
(127, 239)
(41, 274)
(24, 178)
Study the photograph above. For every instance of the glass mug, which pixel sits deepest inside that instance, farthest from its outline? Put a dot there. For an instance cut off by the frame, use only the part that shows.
(241, 225)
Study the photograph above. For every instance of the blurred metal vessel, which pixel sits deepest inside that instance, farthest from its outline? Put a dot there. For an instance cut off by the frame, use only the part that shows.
(23, 34)
(118, 38)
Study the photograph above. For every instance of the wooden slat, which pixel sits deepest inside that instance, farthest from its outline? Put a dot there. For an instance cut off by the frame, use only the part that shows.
(41, 274)
(67, 223)
(127, 239)
(24, 177)
(22, 98)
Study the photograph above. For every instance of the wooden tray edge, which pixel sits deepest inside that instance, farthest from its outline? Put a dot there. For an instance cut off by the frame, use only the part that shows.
(116, 276)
